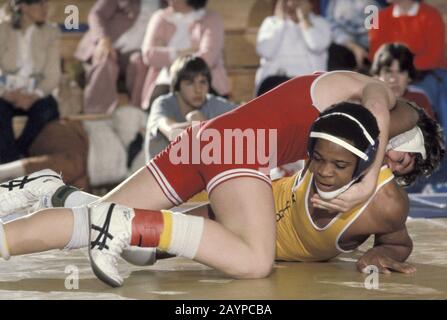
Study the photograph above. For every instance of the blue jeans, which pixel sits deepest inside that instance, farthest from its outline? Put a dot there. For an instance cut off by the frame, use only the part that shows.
(41, 112)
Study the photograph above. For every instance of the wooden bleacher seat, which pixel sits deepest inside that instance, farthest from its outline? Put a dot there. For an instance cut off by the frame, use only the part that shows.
(241, 21)
(241, 14)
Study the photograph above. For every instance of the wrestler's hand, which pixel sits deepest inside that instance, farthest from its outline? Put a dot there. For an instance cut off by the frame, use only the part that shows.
(383, 262)
(357, 194)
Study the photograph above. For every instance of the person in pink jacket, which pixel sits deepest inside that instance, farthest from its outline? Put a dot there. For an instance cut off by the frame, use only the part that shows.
(184, 27)
(110, 51)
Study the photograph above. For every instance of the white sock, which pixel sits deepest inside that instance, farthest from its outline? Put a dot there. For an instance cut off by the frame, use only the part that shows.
(79, 198)
(186, 235)
(79, 237)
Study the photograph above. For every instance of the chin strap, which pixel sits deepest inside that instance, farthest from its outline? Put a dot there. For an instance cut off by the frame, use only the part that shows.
(333, 194)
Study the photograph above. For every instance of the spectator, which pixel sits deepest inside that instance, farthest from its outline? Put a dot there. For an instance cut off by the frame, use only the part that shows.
(30, 72)
(420, 27)
(393, 63)
(110, 51)
(417, 25)
(292, 42)
(84, 152)
(349, 50)
(188, 101)
(185, 26)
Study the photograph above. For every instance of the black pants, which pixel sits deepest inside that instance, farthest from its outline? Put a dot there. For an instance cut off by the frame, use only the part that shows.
(41, 112)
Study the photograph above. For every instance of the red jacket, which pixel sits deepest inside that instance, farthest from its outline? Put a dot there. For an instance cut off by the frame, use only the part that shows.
(423, 34)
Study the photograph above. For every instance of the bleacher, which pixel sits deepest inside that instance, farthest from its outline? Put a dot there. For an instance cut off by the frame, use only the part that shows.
(241, 26)
(241, 21)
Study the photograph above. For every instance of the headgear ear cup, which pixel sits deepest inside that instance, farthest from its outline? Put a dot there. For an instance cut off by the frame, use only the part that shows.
(363, 165)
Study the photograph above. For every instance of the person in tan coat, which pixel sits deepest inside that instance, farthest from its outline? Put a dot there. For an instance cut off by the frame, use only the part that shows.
(30, 71)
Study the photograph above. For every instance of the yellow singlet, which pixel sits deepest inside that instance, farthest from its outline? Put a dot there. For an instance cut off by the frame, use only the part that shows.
(298, 238)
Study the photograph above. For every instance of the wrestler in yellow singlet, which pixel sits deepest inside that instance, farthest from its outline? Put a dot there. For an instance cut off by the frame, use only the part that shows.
(297, 236)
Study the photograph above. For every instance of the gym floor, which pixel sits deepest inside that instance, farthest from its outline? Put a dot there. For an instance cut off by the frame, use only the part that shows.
(43, 276)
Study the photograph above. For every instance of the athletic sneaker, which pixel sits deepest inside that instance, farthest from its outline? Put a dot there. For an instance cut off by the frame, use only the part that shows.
(110, 233)
(29, 193)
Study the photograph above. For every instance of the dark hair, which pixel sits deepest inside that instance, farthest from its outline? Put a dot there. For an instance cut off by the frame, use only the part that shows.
(270, 83)
(389, 52)
(344, 128)
(434, 147)
(16, 13)
(196, 4)
(187, 68)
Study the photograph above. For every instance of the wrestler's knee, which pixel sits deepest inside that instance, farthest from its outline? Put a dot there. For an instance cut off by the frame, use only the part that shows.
(259, 265)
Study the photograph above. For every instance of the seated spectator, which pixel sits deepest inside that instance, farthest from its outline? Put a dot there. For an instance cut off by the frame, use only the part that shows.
(86, 153)
(184, 27)
(349, 50)
(417, 25)
(421, 28)
(110, 52)
(292, 42)
(30, 72)
(188, 101)
(393, 63)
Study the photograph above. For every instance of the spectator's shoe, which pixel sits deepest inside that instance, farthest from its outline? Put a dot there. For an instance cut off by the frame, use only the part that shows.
(29, 193)
(110, 233)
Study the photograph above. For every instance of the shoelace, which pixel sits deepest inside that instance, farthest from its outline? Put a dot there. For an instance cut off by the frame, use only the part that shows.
(119, 243)
(116, 246)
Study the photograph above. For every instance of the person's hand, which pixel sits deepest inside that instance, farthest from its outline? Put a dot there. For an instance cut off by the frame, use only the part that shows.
(185, 52)
(11, 96)
(359, 52)
(103, 50)
(303, 10)
(195, 115)
(357, 194)
(383, 262)
(24, 101)
(280, 10)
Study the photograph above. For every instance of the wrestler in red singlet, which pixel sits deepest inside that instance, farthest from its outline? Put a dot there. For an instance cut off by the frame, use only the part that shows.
(288, 109)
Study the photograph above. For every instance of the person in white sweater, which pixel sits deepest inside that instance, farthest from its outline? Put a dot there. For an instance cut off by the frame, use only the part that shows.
(292, 42)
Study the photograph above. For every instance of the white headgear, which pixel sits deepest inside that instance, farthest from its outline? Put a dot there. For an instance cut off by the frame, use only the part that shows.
(409, 141)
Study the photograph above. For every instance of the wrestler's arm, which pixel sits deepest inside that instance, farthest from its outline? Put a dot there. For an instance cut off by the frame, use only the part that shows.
(392, 245)
(350, 86)
(337, 87)
(403, 117)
